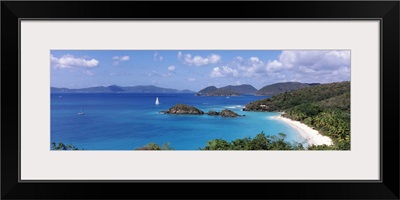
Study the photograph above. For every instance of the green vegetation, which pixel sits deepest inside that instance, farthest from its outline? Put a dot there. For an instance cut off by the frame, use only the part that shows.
(277, 88)
(212, 113)
(228, 113)
(154, 146)
(322, 147)
(259, 142)
(183, 109)
(223, 92)
(191, 110)
(325, 107)
(230, 90)
(62, 146)
(241, 89)
(207, 90)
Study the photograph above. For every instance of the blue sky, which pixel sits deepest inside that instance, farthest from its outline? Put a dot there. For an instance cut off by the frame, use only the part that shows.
(195, 69)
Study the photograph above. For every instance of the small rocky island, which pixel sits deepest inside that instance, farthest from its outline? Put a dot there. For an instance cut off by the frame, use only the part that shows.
(191, 110)
(224, 113)
(183, 109)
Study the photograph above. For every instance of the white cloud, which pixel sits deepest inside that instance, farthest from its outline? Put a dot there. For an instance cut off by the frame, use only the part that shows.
(118, 59)
(274, 65)
(157, 57)
(198, 60)
(254, 59)
(69, 61)
(223, 71)
(191, 79)
(311, 66)
(121, 58)
(311, 60)
(239, 58)
(214, 58)
(171, 68)
(124, 58)
(302, 66)
(251, 67)
(171, 71)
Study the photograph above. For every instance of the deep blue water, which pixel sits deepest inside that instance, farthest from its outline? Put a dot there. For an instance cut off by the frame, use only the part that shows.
(121, 121)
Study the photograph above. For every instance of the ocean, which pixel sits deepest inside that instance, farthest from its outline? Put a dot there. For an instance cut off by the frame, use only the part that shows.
(125, 121)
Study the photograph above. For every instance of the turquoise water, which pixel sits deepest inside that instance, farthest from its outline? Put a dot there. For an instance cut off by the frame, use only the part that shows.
(121, 121)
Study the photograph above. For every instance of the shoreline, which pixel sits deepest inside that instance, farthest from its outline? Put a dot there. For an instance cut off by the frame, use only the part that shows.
(312, 136)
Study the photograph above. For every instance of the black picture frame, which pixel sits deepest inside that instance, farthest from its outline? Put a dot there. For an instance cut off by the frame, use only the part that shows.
(386, 11)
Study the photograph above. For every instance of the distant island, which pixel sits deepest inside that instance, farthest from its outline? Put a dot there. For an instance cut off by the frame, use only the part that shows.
(245, 89)
(119, 89)
(230, 90)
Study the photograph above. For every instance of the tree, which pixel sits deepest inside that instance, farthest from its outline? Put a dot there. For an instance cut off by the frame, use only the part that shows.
(62, 146)
(154, 146)
(218, 144)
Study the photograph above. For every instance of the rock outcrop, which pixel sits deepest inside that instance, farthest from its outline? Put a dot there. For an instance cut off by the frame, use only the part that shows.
(212, 113)
(228, 113)
(190, 110)
(183, 109)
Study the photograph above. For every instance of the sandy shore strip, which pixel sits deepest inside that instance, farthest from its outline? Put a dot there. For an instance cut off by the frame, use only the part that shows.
(312, 136)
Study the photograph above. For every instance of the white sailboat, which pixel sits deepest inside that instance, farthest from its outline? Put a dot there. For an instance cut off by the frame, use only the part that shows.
(81, 113)
(157, 102)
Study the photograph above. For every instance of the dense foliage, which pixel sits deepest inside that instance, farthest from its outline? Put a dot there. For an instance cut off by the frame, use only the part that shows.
(223, 92)
(183, 109)
(228, 113)
(259, 142)
(242, 89)
(325, 107)
(62, 146)
(207, 90)
(230, 90)
(278, 88)
(154, 146)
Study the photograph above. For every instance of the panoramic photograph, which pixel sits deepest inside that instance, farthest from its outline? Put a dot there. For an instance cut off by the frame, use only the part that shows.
(200, 100)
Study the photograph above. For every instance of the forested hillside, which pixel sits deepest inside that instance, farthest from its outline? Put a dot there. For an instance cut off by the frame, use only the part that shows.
(325, 107)
(277, 88)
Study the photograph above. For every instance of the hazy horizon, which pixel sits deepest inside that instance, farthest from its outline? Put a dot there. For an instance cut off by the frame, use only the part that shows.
(181, 89)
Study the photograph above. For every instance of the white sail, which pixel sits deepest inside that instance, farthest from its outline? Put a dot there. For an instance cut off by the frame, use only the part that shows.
(81, 113)
(157, 102)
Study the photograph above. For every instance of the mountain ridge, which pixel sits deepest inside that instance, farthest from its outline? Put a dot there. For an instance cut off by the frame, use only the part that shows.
(277, 88)
(246, 89)
(229, 90)
(119, 89)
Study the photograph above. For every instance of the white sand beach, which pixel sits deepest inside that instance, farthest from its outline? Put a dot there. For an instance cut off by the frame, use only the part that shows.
(312, 136)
